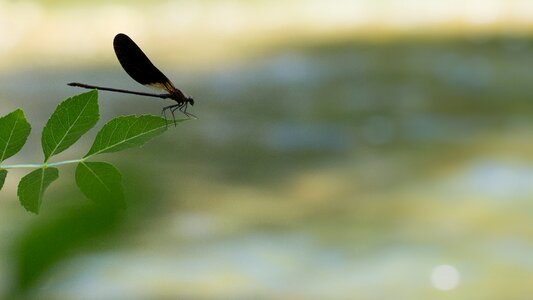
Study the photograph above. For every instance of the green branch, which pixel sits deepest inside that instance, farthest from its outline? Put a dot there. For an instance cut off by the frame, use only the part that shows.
(44, 165)
(100, 182)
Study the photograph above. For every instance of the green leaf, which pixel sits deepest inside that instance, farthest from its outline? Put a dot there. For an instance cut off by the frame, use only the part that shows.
(3, 174)
(14, 131)
(32, 186)
(72, 119)
(127, 132)
(101, 182)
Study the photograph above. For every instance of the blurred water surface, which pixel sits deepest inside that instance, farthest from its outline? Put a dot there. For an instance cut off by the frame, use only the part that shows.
(338, 170)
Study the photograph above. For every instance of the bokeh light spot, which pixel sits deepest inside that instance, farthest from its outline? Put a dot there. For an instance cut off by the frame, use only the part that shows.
(445, 277)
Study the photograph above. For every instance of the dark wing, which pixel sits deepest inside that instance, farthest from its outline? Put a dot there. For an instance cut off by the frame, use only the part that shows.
(137, 64)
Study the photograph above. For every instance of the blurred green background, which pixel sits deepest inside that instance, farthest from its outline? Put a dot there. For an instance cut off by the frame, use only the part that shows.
(344, 150)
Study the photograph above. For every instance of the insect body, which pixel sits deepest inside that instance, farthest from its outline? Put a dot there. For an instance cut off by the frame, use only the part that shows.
(140, 68)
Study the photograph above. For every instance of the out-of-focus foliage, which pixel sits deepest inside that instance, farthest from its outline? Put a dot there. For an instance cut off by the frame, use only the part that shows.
(56, 237)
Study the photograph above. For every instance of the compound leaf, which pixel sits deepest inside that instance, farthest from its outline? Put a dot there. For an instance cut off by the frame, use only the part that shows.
(101, 182)
(127, 132)
(71, 119)
(14, 131)
(3, 174)
(32, 186)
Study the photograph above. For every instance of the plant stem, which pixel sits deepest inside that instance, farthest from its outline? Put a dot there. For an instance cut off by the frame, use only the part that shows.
(66, 162)
(37, 166)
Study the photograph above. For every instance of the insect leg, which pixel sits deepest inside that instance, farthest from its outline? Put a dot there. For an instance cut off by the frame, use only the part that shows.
(184, 111)
(164, 111)
(172, 110)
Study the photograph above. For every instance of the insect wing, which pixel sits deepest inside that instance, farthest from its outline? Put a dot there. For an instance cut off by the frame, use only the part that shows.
(137, 64)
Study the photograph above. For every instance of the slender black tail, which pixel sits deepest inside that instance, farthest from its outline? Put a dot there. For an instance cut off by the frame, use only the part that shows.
(88, 86)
